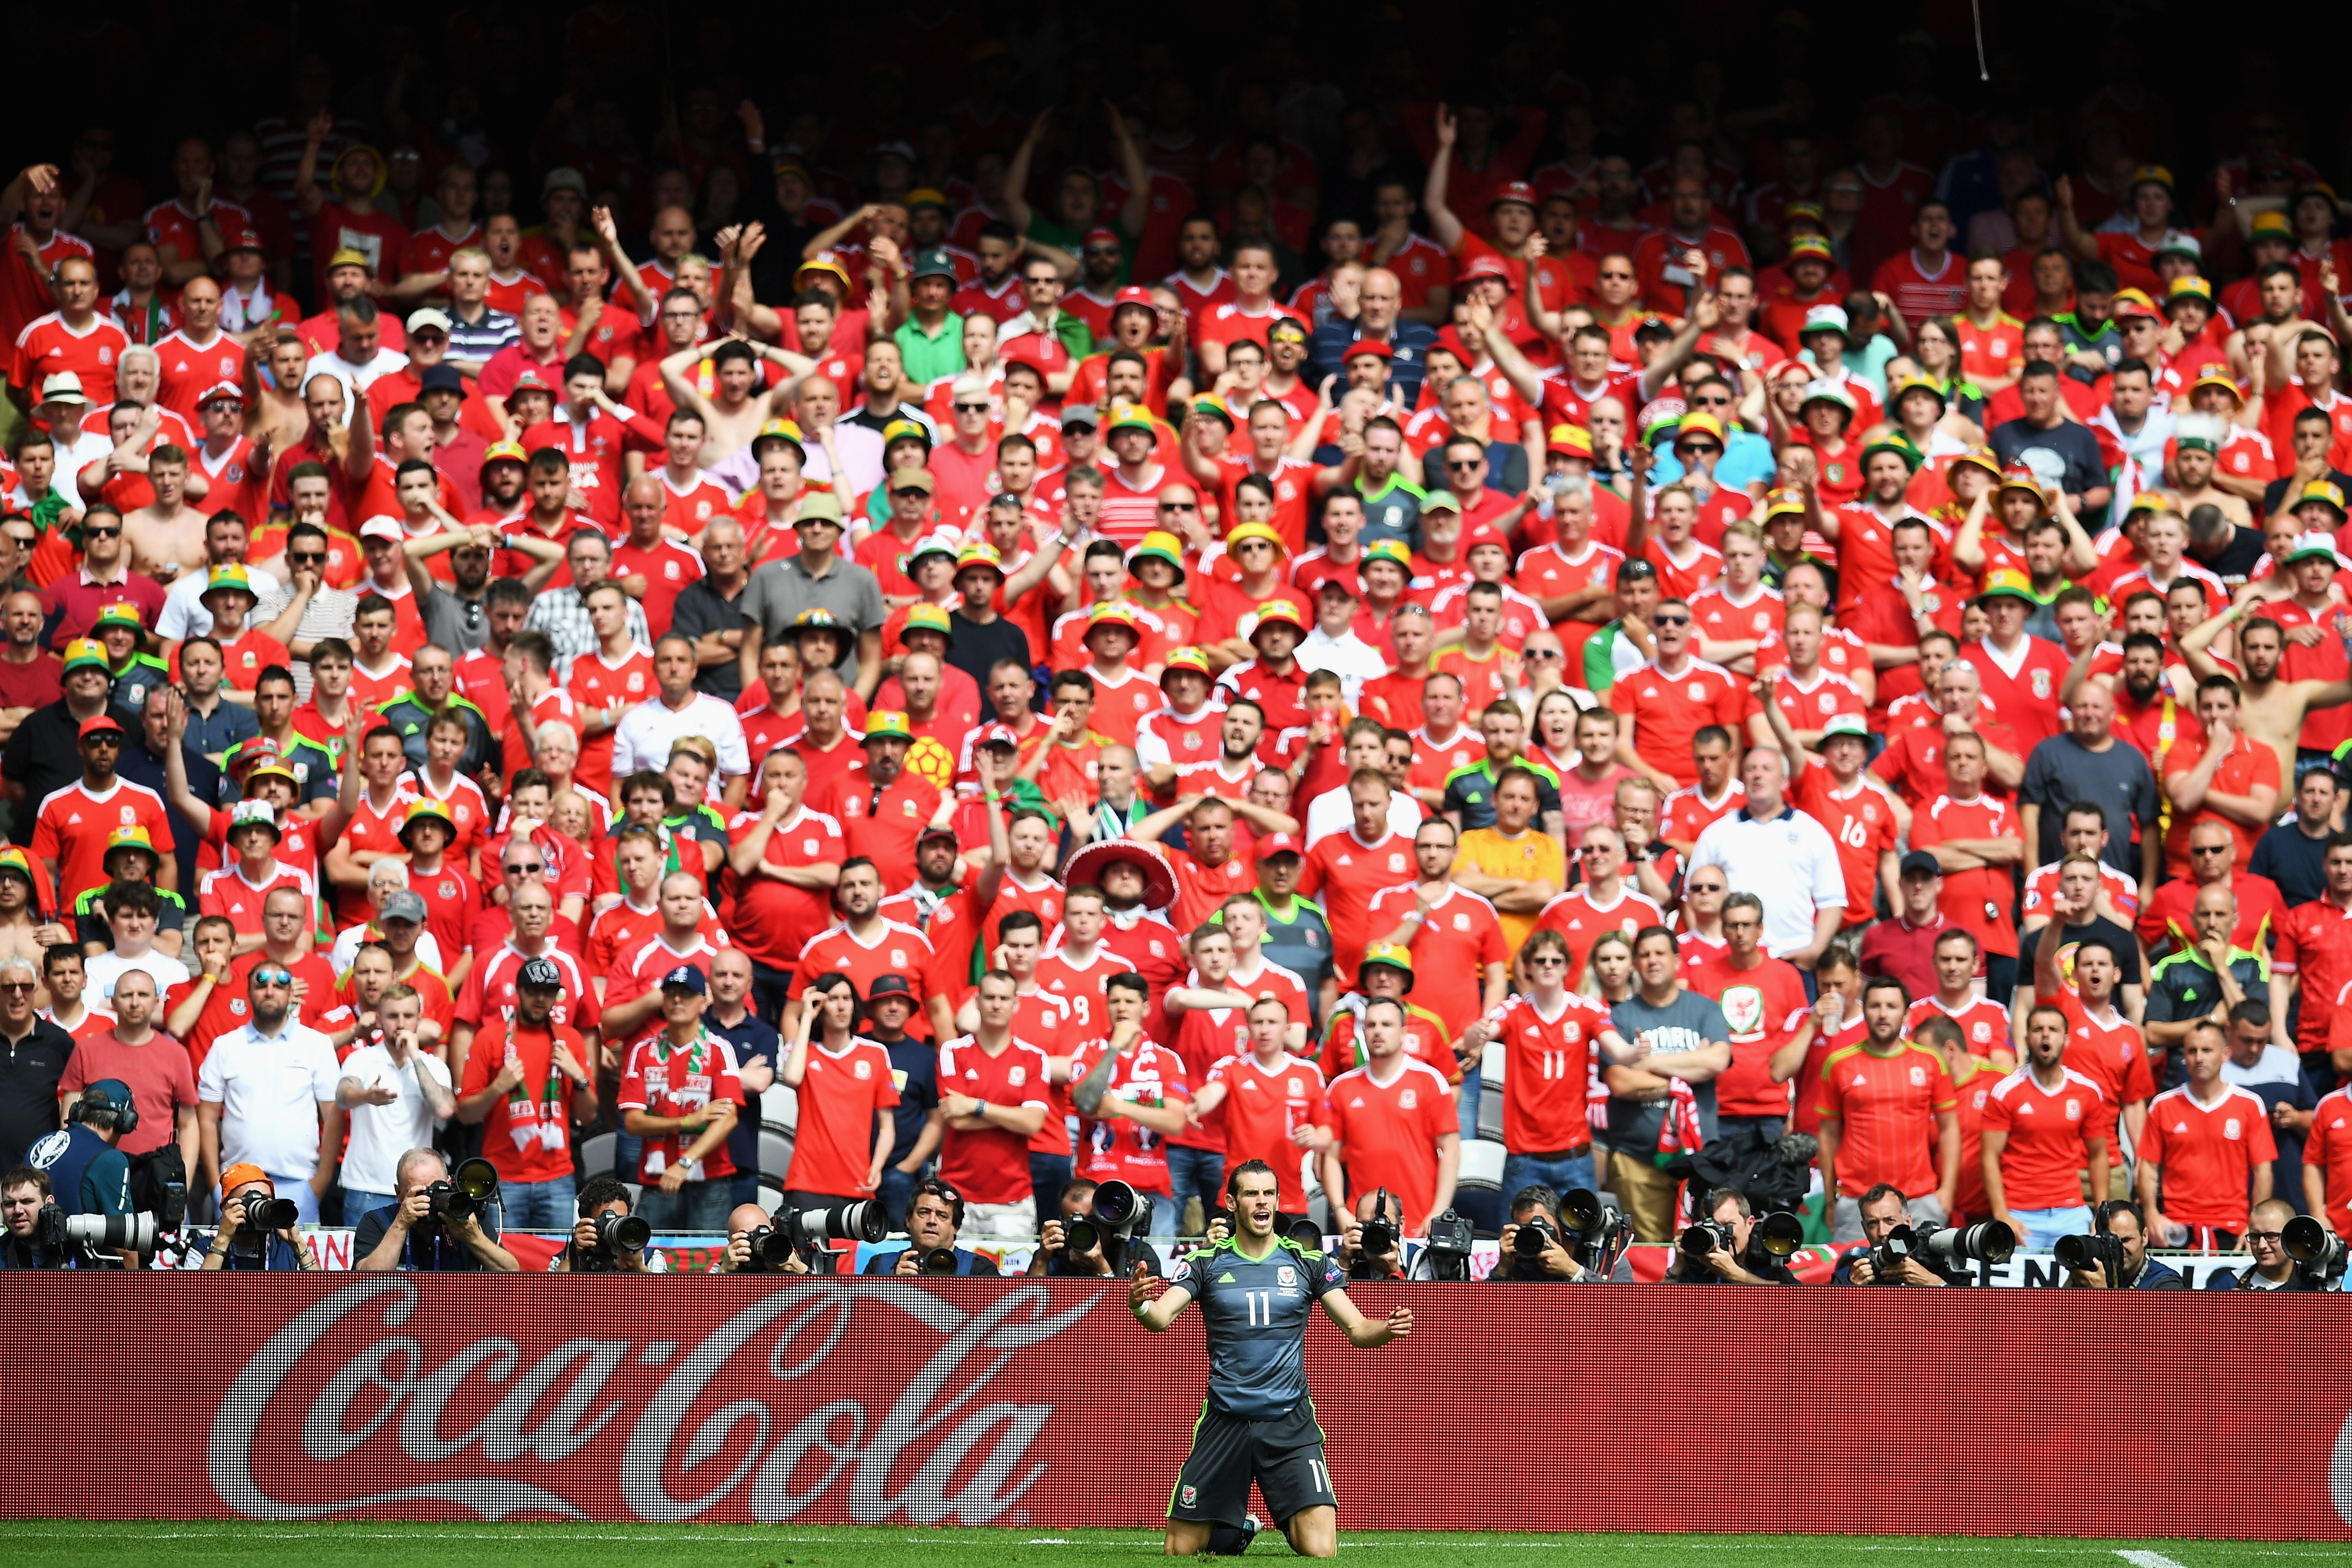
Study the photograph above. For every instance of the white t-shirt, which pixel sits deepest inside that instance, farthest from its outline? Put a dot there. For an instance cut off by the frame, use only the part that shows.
(1788, 861)
(108, 968)
(184, 614)
(270, 1090)
(381, 1134)
(643, 738)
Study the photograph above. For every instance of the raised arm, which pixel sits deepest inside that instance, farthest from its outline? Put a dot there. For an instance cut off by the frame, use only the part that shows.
(1443, 227)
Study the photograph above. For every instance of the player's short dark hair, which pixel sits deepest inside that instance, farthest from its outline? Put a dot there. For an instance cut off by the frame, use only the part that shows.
(1234, 1177)
(1535, 1195)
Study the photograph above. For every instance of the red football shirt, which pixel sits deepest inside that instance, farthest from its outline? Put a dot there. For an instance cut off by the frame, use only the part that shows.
(599, 682)
(1861, 820)
(1762, 1007)
(2209, 1153)
(832, 1143)
(2329, 1147)
(1885, 1107)
(664, 1079)
(1451, 949)
(895, 949)
(1668, 711)
(1116, 1149)
(2041, 1166)
(990, 1166)
(72, 826)
(1577, 917)
(1388, 1133)
(1549, 1068)
(1978, 900)
(1343, 873)
(1264, 1104)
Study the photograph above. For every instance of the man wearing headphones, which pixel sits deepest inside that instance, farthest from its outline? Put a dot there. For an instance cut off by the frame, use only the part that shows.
(87, 1173)
(933, 1216)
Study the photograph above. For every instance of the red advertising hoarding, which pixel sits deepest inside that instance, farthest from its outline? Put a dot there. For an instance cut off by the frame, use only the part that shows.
(1038, 1404)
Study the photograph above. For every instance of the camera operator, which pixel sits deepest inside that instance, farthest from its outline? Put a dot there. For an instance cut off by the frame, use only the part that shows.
(24, 1194)
(1053, 1256)
(934, 1215)
(1884, 1211)
(237, 1246)
(408, 1236)
(2271, 1268)
(742, 1221)
(1381, 1208)
(1739, 1264)
(1539, 1206)
(88, 1175)
(586, 1252)
(2120, 1218)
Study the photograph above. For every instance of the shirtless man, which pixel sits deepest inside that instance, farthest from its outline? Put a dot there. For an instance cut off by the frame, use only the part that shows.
(274, 406)
(2270, 711)
(21, 934)
(166, 537)
(732, 417)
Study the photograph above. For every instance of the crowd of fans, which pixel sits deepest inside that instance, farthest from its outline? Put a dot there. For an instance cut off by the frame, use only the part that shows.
(1467, 650)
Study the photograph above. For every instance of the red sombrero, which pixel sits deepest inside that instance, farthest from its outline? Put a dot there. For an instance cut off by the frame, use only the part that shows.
(1158, 880)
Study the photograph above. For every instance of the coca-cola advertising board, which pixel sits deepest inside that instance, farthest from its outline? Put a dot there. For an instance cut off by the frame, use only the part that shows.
(1033, 1403)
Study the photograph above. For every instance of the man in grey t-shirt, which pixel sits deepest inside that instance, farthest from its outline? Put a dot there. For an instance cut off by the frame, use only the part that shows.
(818, 578)
(2087, 763)
(1687, 1039)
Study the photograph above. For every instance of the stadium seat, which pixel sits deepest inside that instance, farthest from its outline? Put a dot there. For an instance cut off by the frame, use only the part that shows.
(1478, 1189)
(771, 1193)
(780, 1108)
(1490, 1095)
(775, 1150)
(599, 1154)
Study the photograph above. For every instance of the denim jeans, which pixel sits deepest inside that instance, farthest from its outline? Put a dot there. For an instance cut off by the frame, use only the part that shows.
(1468, 1094)
(1048, 1174)
(357, 1203)
(539, 1206)
(1562, 1176)
(698, 1205)
(896, 1191)
(1195, 1174)
(2038, 1230)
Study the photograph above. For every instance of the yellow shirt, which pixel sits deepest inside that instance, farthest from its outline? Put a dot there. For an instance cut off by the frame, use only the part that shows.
(1532, 856)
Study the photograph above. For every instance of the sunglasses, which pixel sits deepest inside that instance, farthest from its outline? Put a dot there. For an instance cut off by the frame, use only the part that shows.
(17, 986)
(1705, 887)
(1670, 620)
(971, 408)
(1546, 961)
(273, 977)
(1102, 250)
(1595, 848)
(1544, 655)
(306, 557)
(106, 738)
(1179, 506)
(1701, 448)
(526, 870)
(1465, 468)
(101, 533)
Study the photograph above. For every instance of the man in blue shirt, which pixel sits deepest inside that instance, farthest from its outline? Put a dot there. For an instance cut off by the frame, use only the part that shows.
(1257, 1290)
(87, 1171)
(2120, 1218)
(1380, 299)
(756, 1045)
(407, 1236)
(933, 1218)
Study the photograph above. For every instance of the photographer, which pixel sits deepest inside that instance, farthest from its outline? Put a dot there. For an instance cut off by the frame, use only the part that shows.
(24, 1194)
(1536, 1208)
(2120, 1218)
(397, 1093)
(742, 1221)
(238, 1246)
(1380, 1256)
(1884, 1211)
(87, 1173)
(603, 1199)
(407, 1234)
(1737, 1264)
(933, 1216)
(2271, 1268)
(1053, 1256)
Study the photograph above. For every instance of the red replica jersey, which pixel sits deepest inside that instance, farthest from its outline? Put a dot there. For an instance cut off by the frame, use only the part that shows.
(369, 829)
(1451, 947)
(1576, 916)
(991, 1165)
(71, 826)
(1343, 873)
(2049, 1128)
(2041, 892)
(1434, 760)
(1388, 1133)
(2328, 1148)
(1719, 618)
(1983, 1023)
(2109, 1051)
(2026, 695)
(1978, 900)
(770, 919)
(1688, 812)
(1082, 987)
(1550, 572)
(49, 347)
(833, 1144)
(1552, 1065)
(1264, 1104)
(372, 689)
(664, 1079)
(489, 995)
(881, 826)
(1425, 1041)
(188, 369)
(1762, 1007)
(599, 682)
(2208, 1152)
(2316, 941)
(894, 949)
(1886, 1109)
(640, 970)
(1205, 1036)
(1485, 682)
(1861, 820)
(1667, 711)
(1116, 1149)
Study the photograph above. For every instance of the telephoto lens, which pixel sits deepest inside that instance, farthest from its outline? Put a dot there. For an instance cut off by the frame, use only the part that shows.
(864, 1220)
(2317, 1248)
(622, 1232)
(1986, 1241)
(1779, 1233)
(477, 1184)
(1307, 1233)
(940, 1260)
(271, 1214)
(771, 1248)
(134, 1232)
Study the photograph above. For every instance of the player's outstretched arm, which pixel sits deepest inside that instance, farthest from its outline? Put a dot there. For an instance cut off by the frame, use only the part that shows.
(1154, 1302)
(1363, 1332)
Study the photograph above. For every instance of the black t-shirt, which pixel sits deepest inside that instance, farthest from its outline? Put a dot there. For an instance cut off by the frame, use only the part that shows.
(2066, 450)
(977, 647)
(2127, 951)
(29, 1071)
(430, 1249)
(2296, 862)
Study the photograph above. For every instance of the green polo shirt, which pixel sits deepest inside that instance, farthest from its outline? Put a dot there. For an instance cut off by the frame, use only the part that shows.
(930, 356)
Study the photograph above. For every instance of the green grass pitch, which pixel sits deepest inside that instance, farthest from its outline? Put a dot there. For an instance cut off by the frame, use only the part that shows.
(63, 1544)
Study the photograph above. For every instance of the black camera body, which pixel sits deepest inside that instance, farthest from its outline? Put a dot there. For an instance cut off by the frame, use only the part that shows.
(270, 1216)
(1448, 1254)
(1536, 1236)
(2099, 1250)
(1117, 1215)
(468, 1194)
(615, 1233)
(938, 1260)
(769, 1251)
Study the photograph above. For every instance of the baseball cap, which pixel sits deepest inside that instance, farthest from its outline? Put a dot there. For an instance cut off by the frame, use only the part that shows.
(1825, 319)
(1517, 191)
(2317, 544)
(230, 392)
(102, 724)
(381, 527)
(1368, 348)
(428, 317)
(1272, 843)
(245, 1173)
(999, 735)
(540, 975)
(440, 378)
(2130, 304)
(563, 178)
(1570, 441)
(892, 985)
(1083, 414)
(1919, 863)
(932, 263)
(686, 978)
(404, 905)
(912, 477)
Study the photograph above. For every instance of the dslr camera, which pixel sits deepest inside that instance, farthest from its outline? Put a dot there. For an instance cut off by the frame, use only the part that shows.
(1601, 1228)
(1118, 1214)
(1447, 1255)
(808, 1232)
(2099, 1250)
(615, 1233)
(467, 1194)
(1771, 1240)
(270, 1216)
(96, 1237)
(2319, 1253)
(1376, 1238)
